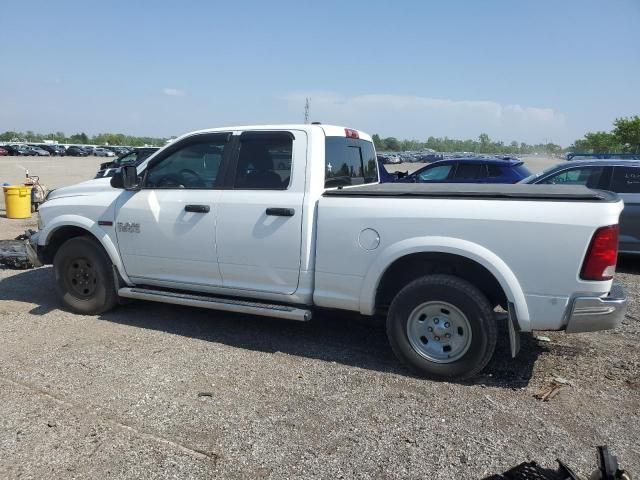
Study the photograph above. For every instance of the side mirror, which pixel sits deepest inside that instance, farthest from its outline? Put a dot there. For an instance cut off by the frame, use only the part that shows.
(126, 178)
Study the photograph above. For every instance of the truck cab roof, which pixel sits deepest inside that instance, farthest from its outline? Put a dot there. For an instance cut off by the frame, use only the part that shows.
(329, 130)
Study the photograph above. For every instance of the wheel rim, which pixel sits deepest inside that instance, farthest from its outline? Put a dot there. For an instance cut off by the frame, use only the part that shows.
(81, 278)
(439, 332)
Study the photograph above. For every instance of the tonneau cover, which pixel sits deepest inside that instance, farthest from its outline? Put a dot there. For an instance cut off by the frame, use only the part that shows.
(563, 193)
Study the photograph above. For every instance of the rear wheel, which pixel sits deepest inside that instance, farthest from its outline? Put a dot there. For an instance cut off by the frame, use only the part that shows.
(442, 327)
(84, 276)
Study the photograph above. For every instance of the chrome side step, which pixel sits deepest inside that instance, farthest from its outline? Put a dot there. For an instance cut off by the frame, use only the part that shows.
(216, 303)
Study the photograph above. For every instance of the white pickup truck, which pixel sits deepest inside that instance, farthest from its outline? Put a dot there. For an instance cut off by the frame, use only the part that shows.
(284, 220)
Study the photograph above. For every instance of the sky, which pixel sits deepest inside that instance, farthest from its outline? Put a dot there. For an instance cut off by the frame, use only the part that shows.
(531, 71)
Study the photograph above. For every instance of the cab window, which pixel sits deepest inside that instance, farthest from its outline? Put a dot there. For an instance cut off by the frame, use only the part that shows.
(194, 165)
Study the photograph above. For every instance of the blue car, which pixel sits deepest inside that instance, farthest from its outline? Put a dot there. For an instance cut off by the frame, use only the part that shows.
(465, 170)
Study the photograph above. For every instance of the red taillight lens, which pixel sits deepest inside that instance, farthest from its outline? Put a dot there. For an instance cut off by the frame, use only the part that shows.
(351, 133)
(602, 256)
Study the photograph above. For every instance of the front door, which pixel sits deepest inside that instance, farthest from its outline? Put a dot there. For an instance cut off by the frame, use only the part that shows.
(259, 230)
(166, 230)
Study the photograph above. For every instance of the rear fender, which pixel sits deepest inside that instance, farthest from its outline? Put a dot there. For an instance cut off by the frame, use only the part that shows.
(455, 246)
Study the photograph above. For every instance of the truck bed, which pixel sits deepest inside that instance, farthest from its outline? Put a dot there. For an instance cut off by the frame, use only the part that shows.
(562, 193)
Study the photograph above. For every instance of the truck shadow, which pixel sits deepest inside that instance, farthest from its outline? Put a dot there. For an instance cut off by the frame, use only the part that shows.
(331, 336)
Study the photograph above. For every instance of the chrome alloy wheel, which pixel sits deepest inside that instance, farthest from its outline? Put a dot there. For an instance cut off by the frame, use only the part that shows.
(439, 332)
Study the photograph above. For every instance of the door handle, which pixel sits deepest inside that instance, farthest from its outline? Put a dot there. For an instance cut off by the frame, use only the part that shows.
(197, 208)
(280, 212)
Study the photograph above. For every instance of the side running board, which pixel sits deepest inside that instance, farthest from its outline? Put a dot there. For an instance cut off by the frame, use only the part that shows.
(217, 303)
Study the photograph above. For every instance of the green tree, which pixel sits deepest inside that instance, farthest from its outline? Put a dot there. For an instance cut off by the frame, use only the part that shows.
(597, 142)
(392, 144)
(627, 133)
(484, 140)
(377, 142)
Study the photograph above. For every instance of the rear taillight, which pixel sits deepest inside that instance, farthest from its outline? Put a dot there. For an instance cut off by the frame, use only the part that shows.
(349, 133)
(600, 262)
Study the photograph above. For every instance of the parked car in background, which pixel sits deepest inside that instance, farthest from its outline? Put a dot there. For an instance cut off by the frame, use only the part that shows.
(133, 157)
(48, 148)
(3, 152)
(13, 150)
(469, 170)
(619, 175)
(60, 149)
(37, 151)
(602, 156)
(75, 151)
(120, 150)
(19, 149)
(103, 152)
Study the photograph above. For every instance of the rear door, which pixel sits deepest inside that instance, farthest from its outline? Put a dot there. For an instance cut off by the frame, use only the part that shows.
(259, 227)
(626, 182)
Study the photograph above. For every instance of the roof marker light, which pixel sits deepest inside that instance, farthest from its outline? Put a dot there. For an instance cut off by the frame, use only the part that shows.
(349, 133)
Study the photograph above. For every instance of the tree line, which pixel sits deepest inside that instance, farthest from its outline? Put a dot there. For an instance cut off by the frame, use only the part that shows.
(483, 144)
(83, 139)
(624, 137)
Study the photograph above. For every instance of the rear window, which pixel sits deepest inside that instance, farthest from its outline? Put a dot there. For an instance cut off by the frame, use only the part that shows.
(626, 180)
(349, 161)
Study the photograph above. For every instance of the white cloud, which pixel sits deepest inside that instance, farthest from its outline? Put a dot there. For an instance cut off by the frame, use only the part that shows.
(173, 92)
(420, 117)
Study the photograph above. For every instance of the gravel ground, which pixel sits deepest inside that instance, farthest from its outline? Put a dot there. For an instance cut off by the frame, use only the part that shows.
(171, 392)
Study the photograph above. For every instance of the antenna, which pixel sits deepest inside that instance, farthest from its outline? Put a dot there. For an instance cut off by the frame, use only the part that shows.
(306, 110)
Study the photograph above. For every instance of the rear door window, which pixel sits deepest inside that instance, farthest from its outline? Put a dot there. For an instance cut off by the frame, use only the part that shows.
(349, 161)
(264, 161)
(470, 171)
(494, 170)
(626, 180)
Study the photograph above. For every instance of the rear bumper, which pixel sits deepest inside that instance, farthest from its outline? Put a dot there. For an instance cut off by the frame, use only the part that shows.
(589, 314)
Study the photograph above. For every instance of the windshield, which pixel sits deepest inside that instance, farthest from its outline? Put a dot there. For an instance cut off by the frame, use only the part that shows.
(534, 176)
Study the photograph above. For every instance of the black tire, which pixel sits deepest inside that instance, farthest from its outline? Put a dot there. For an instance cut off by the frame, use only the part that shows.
(460, 294)
(84, 277)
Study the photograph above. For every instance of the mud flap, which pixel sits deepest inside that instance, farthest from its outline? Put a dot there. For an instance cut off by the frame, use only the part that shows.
(514, 331)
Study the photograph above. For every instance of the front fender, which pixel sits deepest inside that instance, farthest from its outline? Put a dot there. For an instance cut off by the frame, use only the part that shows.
(454, 246)
(91, 226)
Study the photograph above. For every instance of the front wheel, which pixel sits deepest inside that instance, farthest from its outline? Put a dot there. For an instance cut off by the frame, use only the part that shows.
(84, 276)
(442, 327)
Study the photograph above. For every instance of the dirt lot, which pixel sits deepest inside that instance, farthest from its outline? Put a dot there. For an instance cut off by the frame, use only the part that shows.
(159, 391)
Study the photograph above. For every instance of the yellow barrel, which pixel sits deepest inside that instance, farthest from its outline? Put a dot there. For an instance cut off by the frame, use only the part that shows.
(17, 199)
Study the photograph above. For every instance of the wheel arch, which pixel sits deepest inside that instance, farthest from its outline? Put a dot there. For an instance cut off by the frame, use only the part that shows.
(64, 229)
(409, 259)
